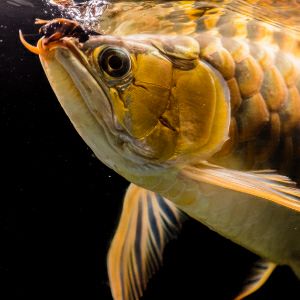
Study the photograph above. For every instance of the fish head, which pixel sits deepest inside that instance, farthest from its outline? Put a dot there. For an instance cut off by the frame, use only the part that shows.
(137, 78)
(137, 100)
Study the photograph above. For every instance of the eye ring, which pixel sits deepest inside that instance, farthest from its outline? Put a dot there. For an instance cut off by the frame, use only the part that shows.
(115, 62)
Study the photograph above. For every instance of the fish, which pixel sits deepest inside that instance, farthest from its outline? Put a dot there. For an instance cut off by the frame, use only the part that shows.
(197, 104)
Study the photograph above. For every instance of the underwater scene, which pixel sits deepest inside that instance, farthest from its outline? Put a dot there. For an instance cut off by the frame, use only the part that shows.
(151, 149)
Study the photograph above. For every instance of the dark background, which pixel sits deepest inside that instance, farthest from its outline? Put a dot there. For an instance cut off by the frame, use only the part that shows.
(60, 205)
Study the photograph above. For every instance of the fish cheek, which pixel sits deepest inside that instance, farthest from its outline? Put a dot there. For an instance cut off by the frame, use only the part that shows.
(139, 106)
(144, 104)
(151, 125)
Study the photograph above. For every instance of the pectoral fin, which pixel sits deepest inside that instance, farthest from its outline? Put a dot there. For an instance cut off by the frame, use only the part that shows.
(265, 184)
(148, 221)
(260, 273)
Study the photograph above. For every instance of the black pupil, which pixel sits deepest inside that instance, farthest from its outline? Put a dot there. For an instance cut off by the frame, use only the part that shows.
(114, 62)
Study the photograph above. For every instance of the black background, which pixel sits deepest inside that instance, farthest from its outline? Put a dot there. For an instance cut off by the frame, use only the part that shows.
(60, 205)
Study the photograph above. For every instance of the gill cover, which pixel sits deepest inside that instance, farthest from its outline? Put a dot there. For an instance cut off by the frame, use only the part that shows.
(169, 101)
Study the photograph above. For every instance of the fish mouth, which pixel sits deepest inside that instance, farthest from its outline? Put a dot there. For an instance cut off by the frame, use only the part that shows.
(83, 97)
(62, 42)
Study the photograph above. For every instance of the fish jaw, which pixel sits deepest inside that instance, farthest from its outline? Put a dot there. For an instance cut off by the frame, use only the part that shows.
(85, 103)
(84, 98)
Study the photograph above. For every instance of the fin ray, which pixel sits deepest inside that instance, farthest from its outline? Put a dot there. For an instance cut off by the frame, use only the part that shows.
(147, 223)
(270, 186)
(260, 273)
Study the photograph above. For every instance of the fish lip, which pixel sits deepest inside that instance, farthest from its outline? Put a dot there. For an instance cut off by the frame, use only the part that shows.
(94, 133)
(73, 46)
(46, 49)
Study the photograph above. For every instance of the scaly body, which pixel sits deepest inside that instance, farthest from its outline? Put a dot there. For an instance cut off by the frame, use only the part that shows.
(261, 66)
(258, 58)
(195, 114)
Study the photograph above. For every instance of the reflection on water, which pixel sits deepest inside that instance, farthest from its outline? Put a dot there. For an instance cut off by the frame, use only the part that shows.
(284, 13)
(87, 13)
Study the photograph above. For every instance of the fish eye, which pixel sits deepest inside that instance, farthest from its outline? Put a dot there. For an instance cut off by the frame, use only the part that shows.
(114, 61)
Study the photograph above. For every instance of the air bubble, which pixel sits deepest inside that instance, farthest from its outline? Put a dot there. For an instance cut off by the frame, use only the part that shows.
(86, 13)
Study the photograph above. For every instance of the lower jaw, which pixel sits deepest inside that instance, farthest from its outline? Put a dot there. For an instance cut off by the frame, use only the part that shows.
(77, 110)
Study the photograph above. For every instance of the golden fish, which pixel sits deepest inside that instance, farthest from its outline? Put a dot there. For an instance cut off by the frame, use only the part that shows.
(201, 115)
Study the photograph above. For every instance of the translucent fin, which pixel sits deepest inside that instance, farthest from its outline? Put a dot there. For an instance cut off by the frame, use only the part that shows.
(270, 186)
(284, 14)
(260, 273)
(147, 223)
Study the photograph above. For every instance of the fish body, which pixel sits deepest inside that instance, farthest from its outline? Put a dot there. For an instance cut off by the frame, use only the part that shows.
(202, 117)
(265, 48)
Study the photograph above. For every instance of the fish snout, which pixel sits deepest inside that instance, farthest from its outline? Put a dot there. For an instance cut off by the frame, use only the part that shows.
(53, 32)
